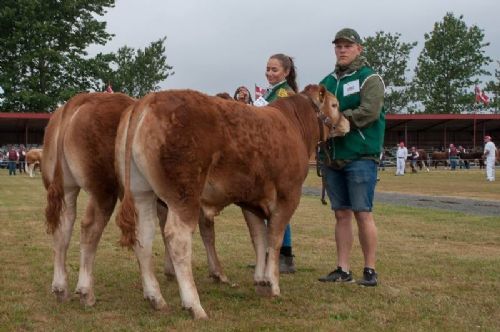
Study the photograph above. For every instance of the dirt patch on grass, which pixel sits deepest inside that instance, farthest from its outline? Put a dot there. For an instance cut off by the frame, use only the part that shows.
(457, 204)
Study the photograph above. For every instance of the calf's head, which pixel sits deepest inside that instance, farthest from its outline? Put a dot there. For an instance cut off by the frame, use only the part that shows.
(329, 113)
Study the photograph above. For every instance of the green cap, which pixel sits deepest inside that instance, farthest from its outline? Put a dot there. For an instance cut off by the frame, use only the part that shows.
(348, 34)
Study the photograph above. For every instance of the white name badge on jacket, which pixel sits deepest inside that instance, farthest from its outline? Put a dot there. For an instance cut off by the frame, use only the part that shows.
(260, 102)
(351, 87)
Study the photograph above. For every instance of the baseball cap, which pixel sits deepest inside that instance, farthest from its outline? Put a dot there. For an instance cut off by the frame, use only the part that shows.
(487, 137)
(347, 34)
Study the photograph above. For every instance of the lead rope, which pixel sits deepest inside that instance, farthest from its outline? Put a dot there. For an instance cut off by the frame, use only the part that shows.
(322, 146)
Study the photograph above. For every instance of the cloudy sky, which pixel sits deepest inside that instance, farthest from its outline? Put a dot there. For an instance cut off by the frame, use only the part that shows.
(217, 45)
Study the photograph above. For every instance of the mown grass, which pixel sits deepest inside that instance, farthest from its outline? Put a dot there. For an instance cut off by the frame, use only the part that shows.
(438, 271)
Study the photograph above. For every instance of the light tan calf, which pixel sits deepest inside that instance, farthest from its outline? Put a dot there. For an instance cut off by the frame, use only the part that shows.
(33, 159)
(79, 154)
(79, 144)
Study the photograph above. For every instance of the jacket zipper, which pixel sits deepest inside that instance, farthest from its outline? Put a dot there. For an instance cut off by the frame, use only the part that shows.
(336, 91)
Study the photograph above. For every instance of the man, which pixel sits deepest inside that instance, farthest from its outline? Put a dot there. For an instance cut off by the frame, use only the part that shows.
(461, 155)
(414, 158)
(22, 159)
(352, 176)
(453, 155)
(13, 157)
(401, 156)
(489, 154)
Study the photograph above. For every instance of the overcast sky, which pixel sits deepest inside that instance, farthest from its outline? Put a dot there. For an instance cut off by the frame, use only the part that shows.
(218, 45)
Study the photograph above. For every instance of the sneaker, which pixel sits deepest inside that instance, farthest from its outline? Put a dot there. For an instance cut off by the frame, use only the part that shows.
(286, 264)
(369, 278)
(337, 275)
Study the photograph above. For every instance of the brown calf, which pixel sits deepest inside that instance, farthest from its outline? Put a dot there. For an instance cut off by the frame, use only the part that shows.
(199, 154)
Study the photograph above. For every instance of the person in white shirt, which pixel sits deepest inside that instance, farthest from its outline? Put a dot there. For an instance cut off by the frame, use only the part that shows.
(401, 156)
(489, 154)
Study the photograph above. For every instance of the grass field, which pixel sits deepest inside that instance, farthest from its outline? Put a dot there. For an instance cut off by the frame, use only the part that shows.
(438, 270)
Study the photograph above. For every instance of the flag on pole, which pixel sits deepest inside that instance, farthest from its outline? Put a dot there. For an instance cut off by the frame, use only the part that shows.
(481, 96)
(259, 92)
(477, 93)
(485, 99)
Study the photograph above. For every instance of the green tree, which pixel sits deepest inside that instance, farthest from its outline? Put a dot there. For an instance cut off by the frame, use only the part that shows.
(389, 57)
(42, 51)
(448, 66)
(494, 88)
(138, 72)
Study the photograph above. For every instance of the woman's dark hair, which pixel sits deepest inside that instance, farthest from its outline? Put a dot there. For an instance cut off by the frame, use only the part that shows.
(287, 63)
(235, 97)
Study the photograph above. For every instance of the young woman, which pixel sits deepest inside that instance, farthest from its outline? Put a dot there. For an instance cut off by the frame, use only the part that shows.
(281, 76)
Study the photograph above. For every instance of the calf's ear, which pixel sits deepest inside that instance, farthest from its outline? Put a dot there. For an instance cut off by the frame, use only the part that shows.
(322, 93)
(309, 89)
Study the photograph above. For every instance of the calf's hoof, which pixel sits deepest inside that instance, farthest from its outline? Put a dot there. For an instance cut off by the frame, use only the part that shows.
(87, 297)
(61, 293)
(158, 304)
(197, 312)
(219, 277)
(265, 289)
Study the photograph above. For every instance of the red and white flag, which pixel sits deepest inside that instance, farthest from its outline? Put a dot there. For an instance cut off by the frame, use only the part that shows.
(485, 98)
(481, 96)
(477, 93)
(259, 92)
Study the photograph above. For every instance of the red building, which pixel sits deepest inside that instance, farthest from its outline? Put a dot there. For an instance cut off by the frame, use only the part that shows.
(425, 131)
(22, 128)
(436, 131)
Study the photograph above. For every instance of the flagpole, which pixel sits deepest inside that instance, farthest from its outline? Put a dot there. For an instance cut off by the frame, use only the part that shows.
(474, 135)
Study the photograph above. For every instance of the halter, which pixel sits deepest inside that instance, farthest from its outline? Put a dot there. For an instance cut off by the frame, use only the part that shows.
(322, 144)
(322, 118)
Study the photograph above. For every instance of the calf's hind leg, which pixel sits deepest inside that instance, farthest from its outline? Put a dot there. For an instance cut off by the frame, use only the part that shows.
(275, 230)
(162, 212)
(96, 217)
(61, 239)
(257, 230)
(145, 203)
(179, 236)
(207, 233)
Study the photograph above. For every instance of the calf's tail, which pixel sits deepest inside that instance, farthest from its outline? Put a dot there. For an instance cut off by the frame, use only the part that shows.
(55, 199)
(55, 187)
(126, 218)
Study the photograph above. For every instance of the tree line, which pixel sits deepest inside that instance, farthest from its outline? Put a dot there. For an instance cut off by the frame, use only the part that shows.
(43, 60)
(448, 68)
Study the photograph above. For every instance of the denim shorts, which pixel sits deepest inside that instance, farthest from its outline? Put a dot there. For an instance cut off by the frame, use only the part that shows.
(353, 186)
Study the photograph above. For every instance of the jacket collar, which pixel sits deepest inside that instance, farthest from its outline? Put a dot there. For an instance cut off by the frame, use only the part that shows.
(358, 63)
